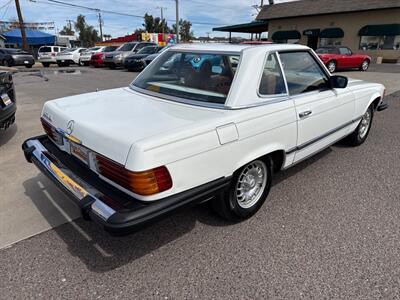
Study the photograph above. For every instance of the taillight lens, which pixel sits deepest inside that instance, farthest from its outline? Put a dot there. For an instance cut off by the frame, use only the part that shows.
(143, 183)
(51, 132)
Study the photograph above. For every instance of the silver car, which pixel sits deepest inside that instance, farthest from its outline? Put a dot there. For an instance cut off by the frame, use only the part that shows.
(116, 58)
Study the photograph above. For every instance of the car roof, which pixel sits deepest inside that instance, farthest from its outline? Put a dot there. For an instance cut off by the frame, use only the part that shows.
(236, 47)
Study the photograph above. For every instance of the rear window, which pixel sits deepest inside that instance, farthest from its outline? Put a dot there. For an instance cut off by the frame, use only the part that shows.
(45, 49)
(127, 47)
(202, 77)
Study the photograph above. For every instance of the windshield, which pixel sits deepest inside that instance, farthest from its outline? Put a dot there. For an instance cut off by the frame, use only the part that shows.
(127, 47)
(92, 49)
(69, 50)
(201, 77)
(109, 49)
(147, 50)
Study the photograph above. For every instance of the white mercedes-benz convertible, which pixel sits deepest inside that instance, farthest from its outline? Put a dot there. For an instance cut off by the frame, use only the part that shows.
(201, 122)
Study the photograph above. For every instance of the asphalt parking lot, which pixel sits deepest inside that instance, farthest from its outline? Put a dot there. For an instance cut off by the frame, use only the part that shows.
(330, 228)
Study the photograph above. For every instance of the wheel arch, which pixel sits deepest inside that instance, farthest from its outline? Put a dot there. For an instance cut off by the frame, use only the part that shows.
(276, 152)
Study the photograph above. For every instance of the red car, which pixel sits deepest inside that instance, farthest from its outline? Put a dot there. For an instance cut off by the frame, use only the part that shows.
(97, 58)
(339, 57)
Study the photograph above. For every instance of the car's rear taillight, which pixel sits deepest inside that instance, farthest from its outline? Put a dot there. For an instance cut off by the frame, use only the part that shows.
(143, 183)
(51, 132)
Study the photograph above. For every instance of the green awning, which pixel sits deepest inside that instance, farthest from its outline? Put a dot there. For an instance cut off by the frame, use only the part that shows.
(380, 30)
(311, 32)
(286, 35)
(334, 32)
(252, 27)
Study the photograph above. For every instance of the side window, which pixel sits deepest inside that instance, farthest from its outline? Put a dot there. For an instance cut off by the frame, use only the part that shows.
(56, 49)
(82, 50)
(344, 51)
(303, 73)
(272, 82)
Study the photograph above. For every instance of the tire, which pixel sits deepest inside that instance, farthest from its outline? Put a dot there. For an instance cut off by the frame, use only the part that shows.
(45, 65)
(331, 65)
(112, 66)
(365, 65)
(60, 64)
(360, 134)
(81, 63)
(237, 207)
(5, 63)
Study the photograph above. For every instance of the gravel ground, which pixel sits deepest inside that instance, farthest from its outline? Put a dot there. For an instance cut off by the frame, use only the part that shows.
(329, 229)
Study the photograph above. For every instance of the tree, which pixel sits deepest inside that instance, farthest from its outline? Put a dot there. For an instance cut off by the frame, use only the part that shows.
(155, 25)
(185, 32)
(87, 34)
(67, 31)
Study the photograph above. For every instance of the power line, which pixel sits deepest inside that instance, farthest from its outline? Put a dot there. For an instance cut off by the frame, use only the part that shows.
(97, 10)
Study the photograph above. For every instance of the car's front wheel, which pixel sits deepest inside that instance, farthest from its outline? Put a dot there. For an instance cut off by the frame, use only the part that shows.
(360, 134)
(248, 190)
(365, 65)
(81, 63)
(331, 66)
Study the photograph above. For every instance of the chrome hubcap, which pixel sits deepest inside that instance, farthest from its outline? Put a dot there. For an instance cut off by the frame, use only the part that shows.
(365, 123)
(251, 184)
(365, 65)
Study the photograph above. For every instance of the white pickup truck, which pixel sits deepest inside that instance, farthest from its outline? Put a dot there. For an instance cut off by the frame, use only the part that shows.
(201, 122)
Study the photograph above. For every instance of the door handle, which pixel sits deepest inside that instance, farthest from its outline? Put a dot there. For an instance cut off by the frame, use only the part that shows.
(305, 114)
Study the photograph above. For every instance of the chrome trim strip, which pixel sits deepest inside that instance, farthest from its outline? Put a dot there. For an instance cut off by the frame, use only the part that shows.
(98, 207)
(321, 137)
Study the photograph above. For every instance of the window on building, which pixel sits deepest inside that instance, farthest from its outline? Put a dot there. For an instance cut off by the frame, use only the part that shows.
(272, 82)
(391, 42)
(331, 42)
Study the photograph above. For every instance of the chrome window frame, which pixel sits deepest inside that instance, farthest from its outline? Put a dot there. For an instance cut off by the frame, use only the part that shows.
(266, 96)
(191, 101)
(318, 62)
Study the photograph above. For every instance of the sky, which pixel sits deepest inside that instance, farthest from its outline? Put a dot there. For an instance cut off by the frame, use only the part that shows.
(204, 14)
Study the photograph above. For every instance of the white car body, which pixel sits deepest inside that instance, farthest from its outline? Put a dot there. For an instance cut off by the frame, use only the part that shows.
(70, 57)
(199, 144)
(87, 55)
(48, 54)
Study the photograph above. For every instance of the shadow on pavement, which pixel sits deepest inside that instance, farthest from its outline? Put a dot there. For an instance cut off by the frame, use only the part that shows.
(8, 134)
(101, 252)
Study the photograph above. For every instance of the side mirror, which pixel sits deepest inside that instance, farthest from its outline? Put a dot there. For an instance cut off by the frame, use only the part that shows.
(338, 82)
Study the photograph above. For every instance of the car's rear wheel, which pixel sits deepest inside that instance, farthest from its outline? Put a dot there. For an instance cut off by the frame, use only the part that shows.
(365, 65)
(360, 134)
(46, 65)
(5, 63)
(331, 65)
(248, 190)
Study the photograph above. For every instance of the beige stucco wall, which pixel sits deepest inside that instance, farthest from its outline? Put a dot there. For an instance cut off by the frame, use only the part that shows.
(351, 23)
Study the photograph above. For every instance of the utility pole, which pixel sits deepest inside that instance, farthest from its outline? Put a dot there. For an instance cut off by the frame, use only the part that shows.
(69, 24)
(162, 18)
(21, 25)
(177, 21)
(101, 26)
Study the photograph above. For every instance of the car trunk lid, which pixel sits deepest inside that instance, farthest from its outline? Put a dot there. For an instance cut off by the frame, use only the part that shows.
(109, 122)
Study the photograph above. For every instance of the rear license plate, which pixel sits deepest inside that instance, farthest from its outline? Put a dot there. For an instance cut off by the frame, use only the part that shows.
(63, 60)
(79, 152)
(6, 99)
(26, 62)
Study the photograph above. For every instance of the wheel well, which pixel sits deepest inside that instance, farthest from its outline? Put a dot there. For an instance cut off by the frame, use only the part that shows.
(376, 102)
(334, 60)
(278, 157)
